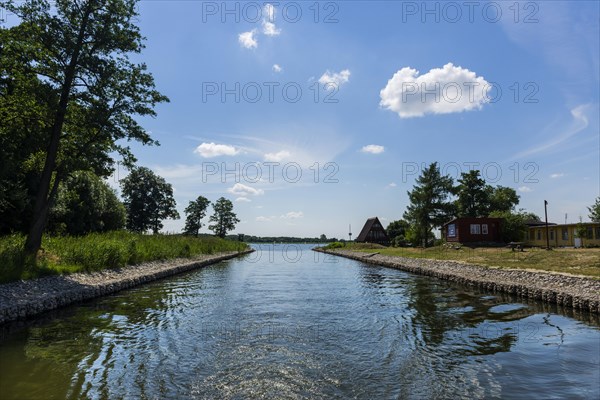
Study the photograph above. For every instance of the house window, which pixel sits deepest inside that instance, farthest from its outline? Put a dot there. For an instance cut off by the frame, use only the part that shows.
(565, 234)
(598, 232)
(590, 233)
(531, 234)
(451, 230)
(475, 229)
(551, 234)
(539, 234)
(484, 229)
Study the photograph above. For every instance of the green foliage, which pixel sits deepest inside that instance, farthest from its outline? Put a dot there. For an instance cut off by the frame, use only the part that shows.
(595, 211)
(396, 231)
(335, 245)
(223, 219)
(97, 251)
(68, 94)
(148, 199)
(475, 198)
(429, 206)
(194, 212)
(84, 204)
(502, 198)
(513, 228)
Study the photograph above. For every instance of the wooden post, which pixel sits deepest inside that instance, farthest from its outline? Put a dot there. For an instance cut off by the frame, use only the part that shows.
(547, 234)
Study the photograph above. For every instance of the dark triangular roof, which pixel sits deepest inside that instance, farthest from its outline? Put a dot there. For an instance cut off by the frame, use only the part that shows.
(362, 236)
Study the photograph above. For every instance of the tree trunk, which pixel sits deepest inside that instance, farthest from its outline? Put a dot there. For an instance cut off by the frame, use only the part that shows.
(43, 197)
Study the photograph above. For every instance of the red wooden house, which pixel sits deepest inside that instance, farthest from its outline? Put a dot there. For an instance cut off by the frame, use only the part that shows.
(472, 230)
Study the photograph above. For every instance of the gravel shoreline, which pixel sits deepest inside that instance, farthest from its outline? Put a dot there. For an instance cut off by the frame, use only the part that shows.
(579, 293)
(23, 299)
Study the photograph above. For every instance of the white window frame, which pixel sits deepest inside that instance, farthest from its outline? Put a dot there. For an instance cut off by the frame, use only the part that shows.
(475, 229)
(484, 229)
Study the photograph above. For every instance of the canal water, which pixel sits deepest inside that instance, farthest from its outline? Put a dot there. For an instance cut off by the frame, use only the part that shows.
(286, 322)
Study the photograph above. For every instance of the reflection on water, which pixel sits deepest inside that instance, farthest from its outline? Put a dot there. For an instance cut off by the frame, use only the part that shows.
(287, 324)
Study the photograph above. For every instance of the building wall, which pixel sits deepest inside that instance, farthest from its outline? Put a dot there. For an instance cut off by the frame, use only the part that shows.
(563, 235)
(469, 230)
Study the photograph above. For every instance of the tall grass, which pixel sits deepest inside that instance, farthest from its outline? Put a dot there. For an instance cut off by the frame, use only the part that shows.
(97, 251)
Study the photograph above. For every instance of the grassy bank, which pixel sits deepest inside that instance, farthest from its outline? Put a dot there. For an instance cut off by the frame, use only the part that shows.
(565, 260)
(64, 255)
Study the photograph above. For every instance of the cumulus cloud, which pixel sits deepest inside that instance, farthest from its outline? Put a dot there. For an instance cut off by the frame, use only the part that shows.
(525, 189)
(276, 157)
(333, 80)
(209, 150)
(373, 149)
(244, 190)
(445, 90)
(293, 215)
(277, 68)
(248, 40)
(243, 200)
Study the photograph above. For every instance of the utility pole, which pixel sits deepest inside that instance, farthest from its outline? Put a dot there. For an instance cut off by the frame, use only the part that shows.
(547, 234)
(349, 232)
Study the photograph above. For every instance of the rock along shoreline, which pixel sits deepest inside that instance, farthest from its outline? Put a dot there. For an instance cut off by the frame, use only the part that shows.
(577, 292)
(24, 299)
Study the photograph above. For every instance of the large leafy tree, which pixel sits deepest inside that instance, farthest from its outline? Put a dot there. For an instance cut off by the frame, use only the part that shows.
(223, 219)
(85, 203)
(502, 198)
(473, 195)
(194, 212)
(76, 55)
(397, 231)
(429, 202)
(514, 224)
(148, 199)
(595, 211)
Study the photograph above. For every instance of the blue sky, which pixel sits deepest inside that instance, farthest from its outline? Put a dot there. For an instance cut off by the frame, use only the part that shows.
(527, 113)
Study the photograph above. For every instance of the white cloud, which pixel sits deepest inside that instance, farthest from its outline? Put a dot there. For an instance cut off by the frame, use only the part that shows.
(244, 190)
(293, 215)
(270, 29)
(277, 68)
(554, 176)
(209, 150)
(268, 23)
(248, 40)
(265, 219)
(276, 157)
(334, 80)
(391, 185)
(243, 200)
(445, 90)
(373, 149)
(525, 189)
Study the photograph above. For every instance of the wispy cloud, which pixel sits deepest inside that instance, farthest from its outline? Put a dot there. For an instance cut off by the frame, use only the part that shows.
(292, 215)
(525, 189)
(373, 149)
(578, 123)
(244, 190)
(243, 200)
(277, 157)
(333, 80)
(554, 176)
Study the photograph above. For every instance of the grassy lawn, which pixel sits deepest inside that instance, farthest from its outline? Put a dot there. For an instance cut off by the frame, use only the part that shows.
(64, 255)
(564, 260)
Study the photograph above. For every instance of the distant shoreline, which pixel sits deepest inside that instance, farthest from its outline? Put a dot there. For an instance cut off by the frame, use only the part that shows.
(24, 299)
(580, 293)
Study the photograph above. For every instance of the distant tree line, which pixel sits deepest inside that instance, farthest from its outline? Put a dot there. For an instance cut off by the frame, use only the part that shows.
(284, 239)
